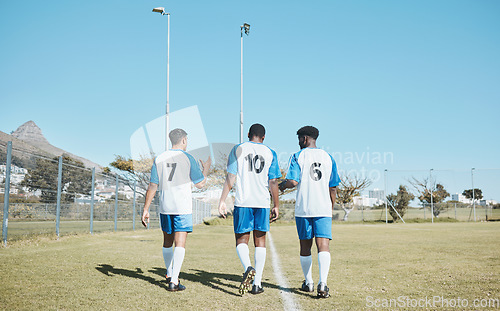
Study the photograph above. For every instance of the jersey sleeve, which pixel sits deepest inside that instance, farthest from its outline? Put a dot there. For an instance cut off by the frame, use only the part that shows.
(195, 172)
(293, 169)
(232, 161)
(274, 169)
(154, 174)
(334, 177)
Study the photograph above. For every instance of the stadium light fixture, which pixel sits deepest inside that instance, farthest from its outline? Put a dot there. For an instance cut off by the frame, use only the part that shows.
(161, 10)
(246, 28)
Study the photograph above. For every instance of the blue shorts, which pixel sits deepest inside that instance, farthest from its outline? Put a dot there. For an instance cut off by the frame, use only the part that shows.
(246, 219)
(310, 227)
(176, 223)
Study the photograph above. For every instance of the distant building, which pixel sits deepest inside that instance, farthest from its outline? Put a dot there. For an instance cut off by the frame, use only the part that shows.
(13, 170)
(487, 202)
(16, 174)
(460, 198)
(366, 201)
(376, 194)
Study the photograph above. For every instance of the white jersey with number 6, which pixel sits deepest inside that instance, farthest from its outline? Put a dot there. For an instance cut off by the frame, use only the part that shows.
(316, 171)
(254, 164)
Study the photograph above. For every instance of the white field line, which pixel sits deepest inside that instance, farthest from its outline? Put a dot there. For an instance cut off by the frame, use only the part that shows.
(288, 301)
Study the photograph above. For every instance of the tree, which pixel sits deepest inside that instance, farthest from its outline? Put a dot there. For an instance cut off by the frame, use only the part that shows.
(350, 187)
(430, 191)
(134, 172)
(400, 202)
(75, 179)
(477, 195)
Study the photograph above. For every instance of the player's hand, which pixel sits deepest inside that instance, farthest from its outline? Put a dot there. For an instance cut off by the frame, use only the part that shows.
(222, 209)
(145, 219)
(206, 165)
(274, 214)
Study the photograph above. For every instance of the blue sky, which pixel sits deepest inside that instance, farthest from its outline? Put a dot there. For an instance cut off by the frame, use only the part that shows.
(415, 79)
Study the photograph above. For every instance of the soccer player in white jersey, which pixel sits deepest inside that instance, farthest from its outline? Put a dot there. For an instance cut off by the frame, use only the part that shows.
(314, 172)
(172, 174)
(254, 168)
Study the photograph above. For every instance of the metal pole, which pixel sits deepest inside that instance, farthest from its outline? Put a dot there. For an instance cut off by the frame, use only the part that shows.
(133, 207)
(116, 203)
(59, 187)
(473, 192)
(455, 210)
(167, 123)
(6, 193)
(241, 87)
(432, 190)
(92, 202)
(385, 194)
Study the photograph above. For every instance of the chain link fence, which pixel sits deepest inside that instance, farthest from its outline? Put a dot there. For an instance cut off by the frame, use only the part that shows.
(59, 195)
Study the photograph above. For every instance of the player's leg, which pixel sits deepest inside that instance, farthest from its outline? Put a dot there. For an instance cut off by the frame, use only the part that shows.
(242, 249)
(243, 224)
(304, 230)
(261, 227)
(183, 224)
(323, 233)
(168, 241)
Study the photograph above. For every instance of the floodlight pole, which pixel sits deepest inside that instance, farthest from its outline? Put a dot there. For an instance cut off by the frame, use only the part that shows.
(431, 191)
(385, 194)
(473, 192)
(245, 27)
(161, 10)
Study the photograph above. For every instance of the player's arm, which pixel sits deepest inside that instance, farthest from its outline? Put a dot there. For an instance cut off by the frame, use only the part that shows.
(206, 167)
(228, 185)
(333, 195)
(150, 194)
(273, 187)
(288, 183)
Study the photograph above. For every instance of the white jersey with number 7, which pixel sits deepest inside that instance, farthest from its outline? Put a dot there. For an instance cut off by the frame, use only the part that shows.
(316, 171)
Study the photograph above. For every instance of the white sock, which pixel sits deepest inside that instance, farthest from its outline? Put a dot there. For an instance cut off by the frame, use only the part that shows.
(177, 264)
(244, 254)
(306, 262)
(324, 266)
(260, 260)
(168, 254)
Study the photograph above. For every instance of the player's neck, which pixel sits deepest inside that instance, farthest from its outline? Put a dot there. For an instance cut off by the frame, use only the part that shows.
(179, 147)
(256, 139)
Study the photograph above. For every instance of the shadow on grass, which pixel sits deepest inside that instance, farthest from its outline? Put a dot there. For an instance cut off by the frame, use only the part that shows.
(109, 270)
(224, 282)
(216, 280)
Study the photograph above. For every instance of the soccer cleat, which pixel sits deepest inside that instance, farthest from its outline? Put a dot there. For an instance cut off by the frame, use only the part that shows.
(168, 278)
(307, 287)
(247, 280)
(175, 288)
(323, 291)
(256, 289)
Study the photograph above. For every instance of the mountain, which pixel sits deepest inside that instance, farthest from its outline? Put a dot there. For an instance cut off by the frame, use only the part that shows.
(29, 138)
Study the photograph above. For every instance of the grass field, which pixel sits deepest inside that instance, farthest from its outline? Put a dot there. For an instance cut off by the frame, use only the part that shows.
(125, 270)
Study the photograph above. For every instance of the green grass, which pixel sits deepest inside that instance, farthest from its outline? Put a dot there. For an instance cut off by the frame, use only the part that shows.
(124, 270)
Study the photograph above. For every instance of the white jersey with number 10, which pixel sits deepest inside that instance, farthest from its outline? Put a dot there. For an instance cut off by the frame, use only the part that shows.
(254, 164)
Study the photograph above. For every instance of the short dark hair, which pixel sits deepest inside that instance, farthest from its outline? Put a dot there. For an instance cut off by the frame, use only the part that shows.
(308, 130)
(257, 130)
(176, 135)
